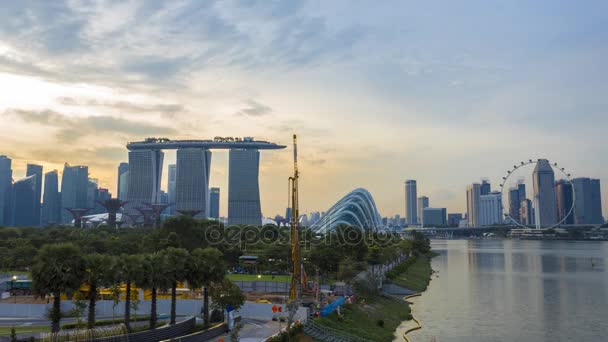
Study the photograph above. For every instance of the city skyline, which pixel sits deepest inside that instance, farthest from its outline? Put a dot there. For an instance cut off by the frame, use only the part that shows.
(82, 82)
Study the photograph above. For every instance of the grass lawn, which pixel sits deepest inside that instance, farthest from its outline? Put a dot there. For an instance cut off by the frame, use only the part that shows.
(254, 277)
(417, 276)
(6, 331)
(362, 319)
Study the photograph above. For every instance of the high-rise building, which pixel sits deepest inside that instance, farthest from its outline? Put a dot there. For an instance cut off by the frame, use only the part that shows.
(171, 187)
(6, 190)
(434, 217)
(164, 197)
(288, 214)
(544, 194)
(411, 206)
(454, 219)
(145, 174)
(514, 204)
(24, 202)
(521, 190)
(527, 213)
(490, 209)
(51, 206)
(123, 181)
(74, 185)
(33, 169)
(192, 180)
(243, 187)
(473, 198)
(486, 187)
(564, 198)
(588, 201)
(214, 203)
(93, 197)
(423, 202)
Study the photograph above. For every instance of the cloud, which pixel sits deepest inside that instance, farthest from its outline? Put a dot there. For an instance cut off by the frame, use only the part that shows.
(167, 109)
(254, 109)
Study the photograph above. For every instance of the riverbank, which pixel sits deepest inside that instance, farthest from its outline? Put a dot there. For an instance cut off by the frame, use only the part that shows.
(416, 276)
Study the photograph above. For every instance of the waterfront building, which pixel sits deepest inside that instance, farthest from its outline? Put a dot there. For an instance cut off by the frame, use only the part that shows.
(192, 181)
(411, 210)
(145, 172)
(434, 217)
(172, 187)
(423, 202)
(473, 203)
(526, 213)
(24, 202)
(490, 209)
(74, 184)
(454, 219)
(123, 181)
(51, 204)
(588, 201)
(514, 204)
(564, 199)
(244, 188)
(356, 209)
(521, 190)
(214, 203)
(486, 187)
(31, 170)
(6, 190)
(544, 194)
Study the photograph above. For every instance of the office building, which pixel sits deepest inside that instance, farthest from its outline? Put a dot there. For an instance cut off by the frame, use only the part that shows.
(544, 194)
(164, 197)
(32, 170)
(521, 190)
(288, 214)
(6, 190)
(93, 197)
(588, 201)
(411, 205)
(214, 203)
(145, 172)
(490, 209)
(24, 202)
(473, 198)
(51, 204)
(192, 180)
(527, 213)
(514, 204)
(486, 187)
(564, 199)
(243, 187)
(74, 185)
(432, 217)
(123, 181)
(454, 219)
(171, 187)
(423, 202)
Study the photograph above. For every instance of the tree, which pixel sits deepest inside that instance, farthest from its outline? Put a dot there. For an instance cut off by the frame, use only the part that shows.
(188, 230)
(154, 279)
(206, 266)
(176, 270)
(128, 270)
(57, 269)
(98, 272)
(225, 293)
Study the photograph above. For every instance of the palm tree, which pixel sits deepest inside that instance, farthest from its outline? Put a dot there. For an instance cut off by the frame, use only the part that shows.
(206, 266)
(176, 270)
(128, 271)
(98, 272)
(153, 266)
(57, 269)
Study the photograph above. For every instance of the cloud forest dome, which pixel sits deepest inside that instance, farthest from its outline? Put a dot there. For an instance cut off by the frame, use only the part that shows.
(356, 209)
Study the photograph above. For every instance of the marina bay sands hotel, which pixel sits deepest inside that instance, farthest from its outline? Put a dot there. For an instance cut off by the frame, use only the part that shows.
(192, 175)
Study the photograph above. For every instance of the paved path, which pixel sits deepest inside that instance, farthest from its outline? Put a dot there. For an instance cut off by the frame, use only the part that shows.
(255, 331)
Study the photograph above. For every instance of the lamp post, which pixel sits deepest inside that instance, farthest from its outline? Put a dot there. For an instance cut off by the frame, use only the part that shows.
(13, 287)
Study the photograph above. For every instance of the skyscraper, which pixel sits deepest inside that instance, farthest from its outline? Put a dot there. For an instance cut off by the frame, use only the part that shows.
(192, 180)
(74, 182)
(473, 198)
(171, 187)
(588, 201)
(490, 209)
(24, 202)
(521, 190)
(514, 204)
(93, 197)
(51, 207)
(145, 172)
(214, 203)
(526, 213)
(6, 190)
(33, 169)
(423, 202)
(486, 187)
(544, 194)
(564, 198)
(123, 181)
(434, 217)
(243, 187)
(411, 206)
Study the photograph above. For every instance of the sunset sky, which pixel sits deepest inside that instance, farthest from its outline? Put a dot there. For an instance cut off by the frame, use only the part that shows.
(444, 92)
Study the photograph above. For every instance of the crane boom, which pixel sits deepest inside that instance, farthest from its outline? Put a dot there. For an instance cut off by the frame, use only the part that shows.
(294, 290)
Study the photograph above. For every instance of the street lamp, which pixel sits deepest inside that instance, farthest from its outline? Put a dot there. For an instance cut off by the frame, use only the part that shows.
(13, 287)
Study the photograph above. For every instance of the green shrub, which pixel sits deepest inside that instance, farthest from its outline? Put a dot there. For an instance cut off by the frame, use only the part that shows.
(380, 323)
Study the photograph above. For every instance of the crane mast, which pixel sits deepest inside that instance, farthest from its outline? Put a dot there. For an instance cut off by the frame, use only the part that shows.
(294, 291)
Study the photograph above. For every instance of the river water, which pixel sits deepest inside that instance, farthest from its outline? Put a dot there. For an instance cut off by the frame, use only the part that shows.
(514, 290)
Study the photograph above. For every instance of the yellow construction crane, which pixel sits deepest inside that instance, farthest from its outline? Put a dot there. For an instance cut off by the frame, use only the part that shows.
(294, 291)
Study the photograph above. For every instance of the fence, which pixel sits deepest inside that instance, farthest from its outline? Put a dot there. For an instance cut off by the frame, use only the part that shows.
(263, 286)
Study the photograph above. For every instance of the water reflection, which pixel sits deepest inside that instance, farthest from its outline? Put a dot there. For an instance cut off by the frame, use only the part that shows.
(491, 290)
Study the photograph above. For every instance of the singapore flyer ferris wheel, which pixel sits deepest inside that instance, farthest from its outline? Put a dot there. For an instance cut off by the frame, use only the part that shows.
(561, 171)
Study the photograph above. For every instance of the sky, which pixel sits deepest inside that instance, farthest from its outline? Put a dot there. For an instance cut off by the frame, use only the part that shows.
(444, 92)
